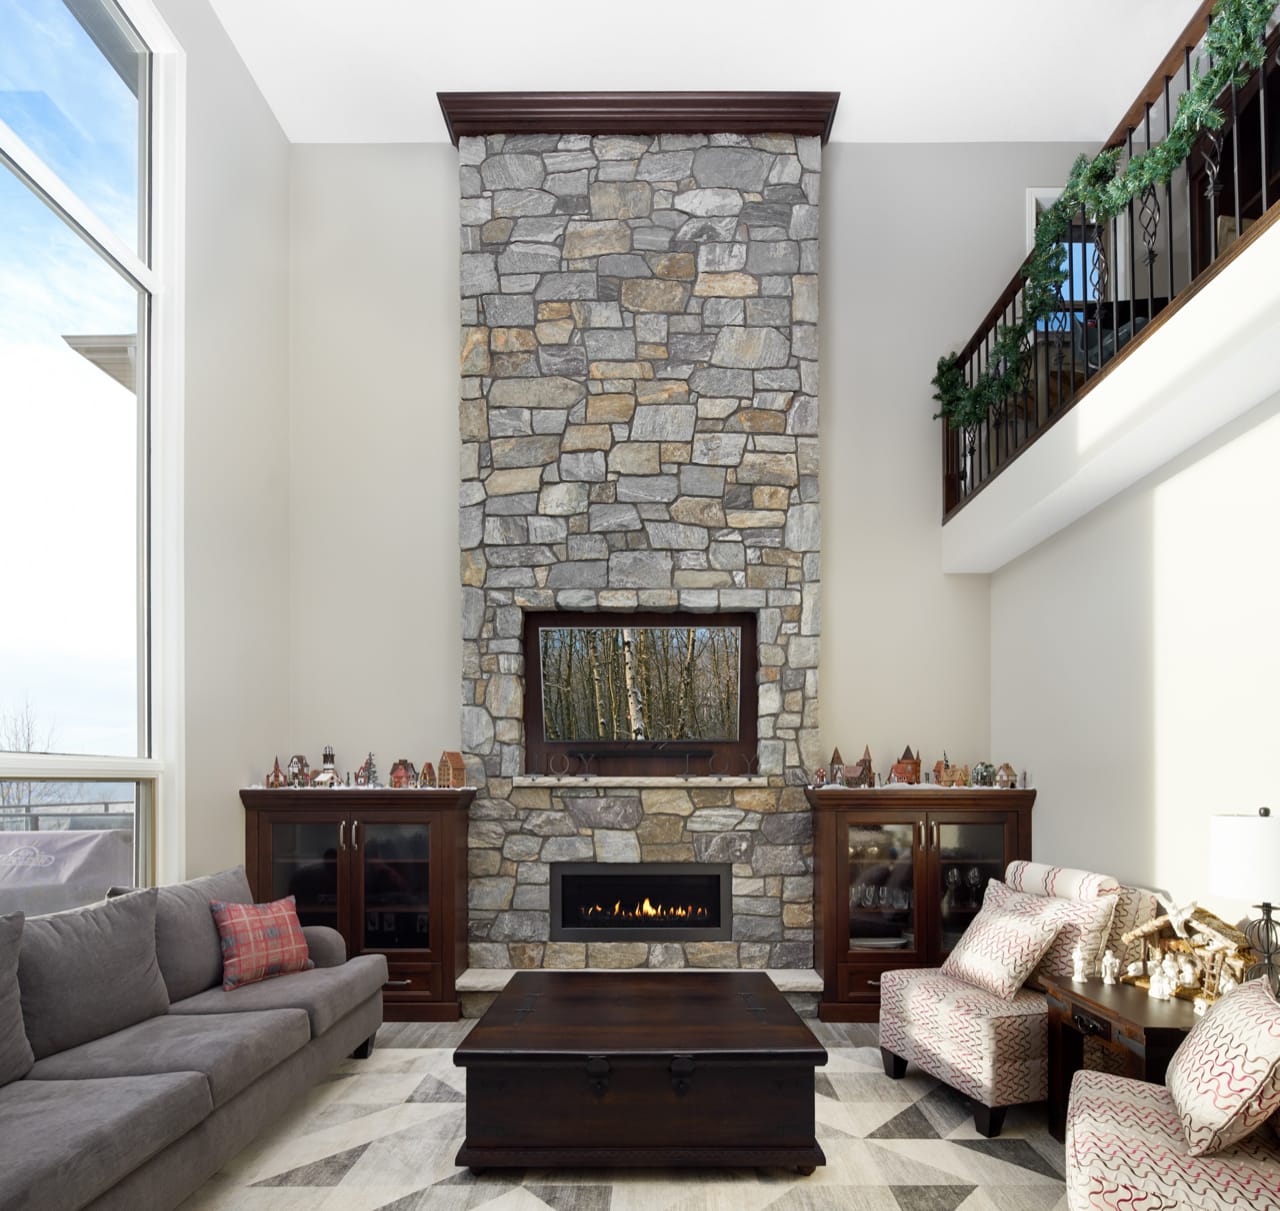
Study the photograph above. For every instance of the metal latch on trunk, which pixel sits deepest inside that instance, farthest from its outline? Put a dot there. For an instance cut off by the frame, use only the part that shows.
(598, 1074)
(681, 1074)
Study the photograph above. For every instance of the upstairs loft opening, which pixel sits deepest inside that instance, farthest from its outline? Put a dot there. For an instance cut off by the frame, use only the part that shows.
(640, 694)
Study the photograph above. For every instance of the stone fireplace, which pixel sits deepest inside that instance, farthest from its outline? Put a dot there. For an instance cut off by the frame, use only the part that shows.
(639, 422)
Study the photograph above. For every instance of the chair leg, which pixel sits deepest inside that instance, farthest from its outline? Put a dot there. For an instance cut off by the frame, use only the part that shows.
(989, 1120)
(894, 1065)
(365, 1050)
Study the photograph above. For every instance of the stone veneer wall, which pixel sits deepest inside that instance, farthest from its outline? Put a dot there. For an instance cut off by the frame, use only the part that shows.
(639, 425)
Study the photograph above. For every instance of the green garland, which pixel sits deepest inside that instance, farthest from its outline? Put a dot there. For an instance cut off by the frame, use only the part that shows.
(1236, 44)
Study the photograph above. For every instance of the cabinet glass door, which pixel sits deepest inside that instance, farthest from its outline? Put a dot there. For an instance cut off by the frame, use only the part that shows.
(304, 864)
(395, 874)
(882, 899)
(969, 854)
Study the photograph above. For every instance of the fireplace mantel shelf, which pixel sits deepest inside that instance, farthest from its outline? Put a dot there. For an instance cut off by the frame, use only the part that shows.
(570, 780)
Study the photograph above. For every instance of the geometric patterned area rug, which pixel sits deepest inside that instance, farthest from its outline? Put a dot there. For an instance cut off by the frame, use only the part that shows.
(381, 1135)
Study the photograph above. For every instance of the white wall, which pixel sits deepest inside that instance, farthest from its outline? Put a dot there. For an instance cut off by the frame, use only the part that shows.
(1134, 665)
(375, 632)
(236, 438)
(918, 241)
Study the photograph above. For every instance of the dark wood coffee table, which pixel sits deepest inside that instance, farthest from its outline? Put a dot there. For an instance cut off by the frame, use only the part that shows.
(643, 1068)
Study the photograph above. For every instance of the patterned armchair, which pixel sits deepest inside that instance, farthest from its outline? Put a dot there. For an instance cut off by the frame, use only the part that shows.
(992, 1050)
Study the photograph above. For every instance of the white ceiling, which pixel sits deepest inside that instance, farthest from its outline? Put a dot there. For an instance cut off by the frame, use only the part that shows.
(334, 71)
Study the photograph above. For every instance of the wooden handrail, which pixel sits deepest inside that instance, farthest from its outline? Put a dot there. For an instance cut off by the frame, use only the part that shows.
(1170, 65)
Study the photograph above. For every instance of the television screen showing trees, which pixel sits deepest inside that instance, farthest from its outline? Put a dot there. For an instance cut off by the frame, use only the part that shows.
(645, 683)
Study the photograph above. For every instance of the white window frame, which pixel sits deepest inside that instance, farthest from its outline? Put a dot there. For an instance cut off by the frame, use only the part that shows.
(160, 839)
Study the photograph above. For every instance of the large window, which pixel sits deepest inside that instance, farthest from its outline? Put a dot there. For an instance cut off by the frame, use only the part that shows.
(79, 766)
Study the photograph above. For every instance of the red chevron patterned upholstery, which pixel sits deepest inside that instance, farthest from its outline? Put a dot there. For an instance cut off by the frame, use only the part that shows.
(1001, 946)
(1084, 923)
(1126, 1151)
(1225, 1076)
(993, 1050)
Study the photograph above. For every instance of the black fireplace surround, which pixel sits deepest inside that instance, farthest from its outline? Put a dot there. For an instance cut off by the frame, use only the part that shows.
(641, 901)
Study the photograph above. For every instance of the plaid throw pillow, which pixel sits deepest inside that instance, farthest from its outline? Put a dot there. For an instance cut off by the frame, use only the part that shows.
(259, 941)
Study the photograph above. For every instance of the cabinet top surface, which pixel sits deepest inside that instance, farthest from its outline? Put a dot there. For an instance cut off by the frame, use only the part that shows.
(928, 796)
(347, 797)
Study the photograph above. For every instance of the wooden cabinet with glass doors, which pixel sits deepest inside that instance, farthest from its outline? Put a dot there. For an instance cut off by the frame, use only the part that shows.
(899, 872)
(386, 868)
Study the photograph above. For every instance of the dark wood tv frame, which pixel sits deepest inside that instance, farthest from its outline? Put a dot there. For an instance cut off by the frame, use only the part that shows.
(641, 758)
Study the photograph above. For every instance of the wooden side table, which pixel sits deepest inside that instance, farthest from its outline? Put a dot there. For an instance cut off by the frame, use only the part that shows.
(1143, 1032)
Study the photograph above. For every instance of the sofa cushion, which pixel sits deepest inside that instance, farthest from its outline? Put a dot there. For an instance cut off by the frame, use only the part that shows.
(1126, 1150)
(1225, 1076)
(260, 941)
(327, 994)
(187, 945)
(65, 1142)
(90, 971)
(999, 950)
(15, 1050)
(1084, 923)
(1134, 905)
(230, 1049)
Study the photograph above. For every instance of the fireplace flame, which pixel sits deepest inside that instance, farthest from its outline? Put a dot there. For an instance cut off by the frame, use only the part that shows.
(645, 909)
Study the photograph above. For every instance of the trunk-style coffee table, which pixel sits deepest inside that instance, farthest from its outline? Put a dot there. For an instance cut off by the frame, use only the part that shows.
(651, 1068)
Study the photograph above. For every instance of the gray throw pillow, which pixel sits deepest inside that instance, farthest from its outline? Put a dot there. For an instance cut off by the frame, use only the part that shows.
(188, 948)
(89, 972)
(15, 1052)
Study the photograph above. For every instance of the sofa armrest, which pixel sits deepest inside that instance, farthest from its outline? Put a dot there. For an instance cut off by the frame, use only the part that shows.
(326, 946)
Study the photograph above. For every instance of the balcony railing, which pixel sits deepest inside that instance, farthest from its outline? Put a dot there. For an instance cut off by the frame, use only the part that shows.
(1126, 275)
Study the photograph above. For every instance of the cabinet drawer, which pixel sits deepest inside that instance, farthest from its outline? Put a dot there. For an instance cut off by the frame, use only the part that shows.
(417, 980)
(861, 983)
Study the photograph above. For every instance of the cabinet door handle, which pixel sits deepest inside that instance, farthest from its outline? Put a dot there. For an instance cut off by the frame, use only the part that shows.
(873, 983)
(935, 835)
(397, 984)
(355, 843)
(342, 835)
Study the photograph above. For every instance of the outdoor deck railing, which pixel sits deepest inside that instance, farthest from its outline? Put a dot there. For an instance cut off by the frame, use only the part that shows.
(1125, 275)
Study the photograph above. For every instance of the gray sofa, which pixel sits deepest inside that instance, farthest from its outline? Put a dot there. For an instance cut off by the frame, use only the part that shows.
(129, 1077)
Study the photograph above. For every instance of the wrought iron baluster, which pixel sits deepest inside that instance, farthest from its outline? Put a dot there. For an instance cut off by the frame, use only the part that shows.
(1235, 157)
(1262, 122)
(1191, 204)
(1168, 192)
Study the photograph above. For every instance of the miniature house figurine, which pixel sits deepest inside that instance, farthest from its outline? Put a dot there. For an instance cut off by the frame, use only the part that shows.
(450, 771)
(860, 772)
(367, 774)
(907, 768)
(403, 774)
(299, 771)
(276, 778)
(835, 768)
(1110, 968)
(328, 777)
(984, 774)
(1006, 777)
(427, 775)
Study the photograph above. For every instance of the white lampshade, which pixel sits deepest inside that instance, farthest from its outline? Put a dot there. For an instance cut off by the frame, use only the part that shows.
(1244, 857)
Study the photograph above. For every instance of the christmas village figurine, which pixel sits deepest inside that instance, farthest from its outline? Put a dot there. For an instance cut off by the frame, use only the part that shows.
(1196, 955)
(367, 774)
(403, 774)
(984, 774)
(860, 772)
(1079, 966)
(427, 775)
(1006, 777)
(946, 774)
(835, 768)
(450, 771)
(276, 779)
(906, 768)
(820, 777)
(328, 778)
(299, 771)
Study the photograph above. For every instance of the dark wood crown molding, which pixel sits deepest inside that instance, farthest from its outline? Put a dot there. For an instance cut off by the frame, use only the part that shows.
(646, 113)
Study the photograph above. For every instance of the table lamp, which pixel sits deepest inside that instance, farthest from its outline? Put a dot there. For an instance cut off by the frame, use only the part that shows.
(1244, 864)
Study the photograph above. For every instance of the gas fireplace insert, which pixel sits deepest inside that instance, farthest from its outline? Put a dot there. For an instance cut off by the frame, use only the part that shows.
(641, 901)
